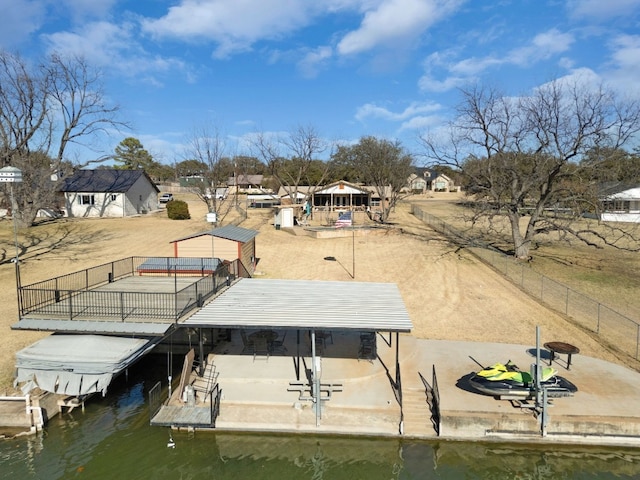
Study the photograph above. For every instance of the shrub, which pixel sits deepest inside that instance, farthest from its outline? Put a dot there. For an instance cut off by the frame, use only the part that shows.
(178, 210)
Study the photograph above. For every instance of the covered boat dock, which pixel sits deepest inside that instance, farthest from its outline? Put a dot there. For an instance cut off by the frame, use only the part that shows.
(315, 327)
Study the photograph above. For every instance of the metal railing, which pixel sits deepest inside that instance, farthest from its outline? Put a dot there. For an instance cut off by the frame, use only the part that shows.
(155, 400)
(615, 329)
(214, 403)
(74, 295)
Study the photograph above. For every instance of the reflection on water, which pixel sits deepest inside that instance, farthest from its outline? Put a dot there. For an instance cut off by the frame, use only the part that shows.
(113, 439)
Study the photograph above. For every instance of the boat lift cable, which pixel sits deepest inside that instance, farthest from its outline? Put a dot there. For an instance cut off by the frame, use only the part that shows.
(170, 363)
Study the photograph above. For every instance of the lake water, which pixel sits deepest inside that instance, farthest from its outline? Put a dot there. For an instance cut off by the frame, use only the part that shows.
(113, 439)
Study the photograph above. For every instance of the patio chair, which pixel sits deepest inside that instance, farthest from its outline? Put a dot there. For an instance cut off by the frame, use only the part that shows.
(277, 346)
(367, 349)
(247, 345)
(325, 335)
(260, 347)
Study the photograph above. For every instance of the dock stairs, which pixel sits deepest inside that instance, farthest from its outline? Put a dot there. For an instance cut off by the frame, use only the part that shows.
(417, 413)
(203, 384)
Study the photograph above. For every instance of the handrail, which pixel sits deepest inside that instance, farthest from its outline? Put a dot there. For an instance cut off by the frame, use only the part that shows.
(74, 295)
(214, 402)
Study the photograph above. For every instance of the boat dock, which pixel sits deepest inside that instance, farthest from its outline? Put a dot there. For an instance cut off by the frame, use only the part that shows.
(256, 395)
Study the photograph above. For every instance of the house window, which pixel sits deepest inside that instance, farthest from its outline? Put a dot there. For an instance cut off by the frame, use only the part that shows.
(114, 197)
(617, 206)
(87, 199)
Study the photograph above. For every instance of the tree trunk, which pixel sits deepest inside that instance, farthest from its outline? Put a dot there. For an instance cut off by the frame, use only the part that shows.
(521, 244)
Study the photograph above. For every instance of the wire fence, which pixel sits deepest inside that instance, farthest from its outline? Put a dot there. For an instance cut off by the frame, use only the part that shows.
(615, 329)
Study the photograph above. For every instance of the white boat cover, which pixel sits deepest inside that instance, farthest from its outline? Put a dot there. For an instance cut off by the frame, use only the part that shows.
(77, 364)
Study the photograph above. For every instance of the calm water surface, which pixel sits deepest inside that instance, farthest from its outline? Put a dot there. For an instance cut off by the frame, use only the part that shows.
(113, 439)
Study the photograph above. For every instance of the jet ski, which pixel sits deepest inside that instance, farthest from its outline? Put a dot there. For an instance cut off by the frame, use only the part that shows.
(507, 380)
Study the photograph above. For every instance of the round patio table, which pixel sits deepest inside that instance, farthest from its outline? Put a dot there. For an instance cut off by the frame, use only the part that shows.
(561, 348)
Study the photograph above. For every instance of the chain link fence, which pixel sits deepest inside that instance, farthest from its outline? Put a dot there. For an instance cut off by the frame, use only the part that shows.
(615, 329)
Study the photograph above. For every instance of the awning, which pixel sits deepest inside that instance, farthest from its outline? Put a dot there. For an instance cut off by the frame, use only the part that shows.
(77, 364)
(306, 304)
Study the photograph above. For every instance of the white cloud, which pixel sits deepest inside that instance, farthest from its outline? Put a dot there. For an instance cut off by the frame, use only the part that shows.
(625, 64)
(626, 53)
(112, 46)
(394, 21)
(20, 18)
(542, 47)
(421, 122)
(80, 9)
(583, 77)
(370, 110)
(429, 84)
(235, 25)
(602, 10)
(314, 60)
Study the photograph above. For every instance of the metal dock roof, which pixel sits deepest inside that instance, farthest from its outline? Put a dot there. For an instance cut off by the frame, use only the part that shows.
(97, 327)
(306, 304)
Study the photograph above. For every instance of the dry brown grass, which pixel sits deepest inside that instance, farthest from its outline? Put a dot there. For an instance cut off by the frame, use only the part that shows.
(447, 292)
(606, 274)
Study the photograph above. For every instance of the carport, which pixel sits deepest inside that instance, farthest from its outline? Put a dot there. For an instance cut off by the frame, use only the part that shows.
(301, 305)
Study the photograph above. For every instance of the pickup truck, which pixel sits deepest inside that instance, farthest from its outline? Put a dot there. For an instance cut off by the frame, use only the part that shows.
(165, 197)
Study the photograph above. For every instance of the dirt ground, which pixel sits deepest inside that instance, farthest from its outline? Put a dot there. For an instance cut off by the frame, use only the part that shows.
(448, 293)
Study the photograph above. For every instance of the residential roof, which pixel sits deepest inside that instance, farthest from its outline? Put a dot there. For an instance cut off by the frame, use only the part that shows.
(620, 191)
(306, 304)
(103, 181)
(341, 188)
(246, 180)
(228, 232)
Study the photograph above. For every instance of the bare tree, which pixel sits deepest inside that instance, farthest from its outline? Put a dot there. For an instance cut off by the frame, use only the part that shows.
(292, 158)
(519, 156)
(383, 164)
(207, 146)
(43, 110)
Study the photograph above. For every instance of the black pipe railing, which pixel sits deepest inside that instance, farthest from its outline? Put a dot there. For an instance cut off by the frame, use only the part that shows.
(73, 296)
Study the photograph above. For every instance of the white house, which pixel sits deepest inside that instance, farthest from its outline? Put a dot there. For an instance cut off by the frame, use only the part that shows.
(429, 180)
(621, 204)
(109, 193)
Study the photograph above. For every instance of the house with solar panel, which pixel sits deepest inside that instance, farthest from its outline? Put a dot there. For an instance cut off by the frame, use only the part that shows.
(109, 193)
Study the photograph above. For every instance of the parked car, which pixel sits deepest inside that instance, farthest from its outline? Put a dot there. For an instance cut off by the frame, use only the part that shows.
(166, 197)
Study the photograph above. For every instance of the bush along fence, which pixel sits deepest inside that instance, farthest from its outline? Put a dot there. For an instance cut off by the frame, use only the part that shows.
(615, 329)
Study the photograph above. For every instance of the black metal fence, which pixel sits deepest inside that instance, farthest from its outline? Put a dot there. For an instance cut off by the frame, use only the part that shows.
(155, 400)
(614, 328)
(76, 295)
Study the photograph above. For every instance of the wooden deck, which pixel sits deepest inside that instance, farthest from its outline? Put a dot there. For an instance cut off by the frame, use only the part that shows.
(183, 416)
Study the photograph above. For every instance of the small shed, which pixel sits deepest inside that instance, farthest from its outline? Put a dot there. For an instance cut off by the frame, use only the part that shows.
(284, 217)
(226, 243)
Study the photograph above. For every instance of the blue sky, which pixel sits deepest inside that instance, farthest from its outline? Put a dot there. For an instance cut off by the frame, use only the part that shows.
(348, 68)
